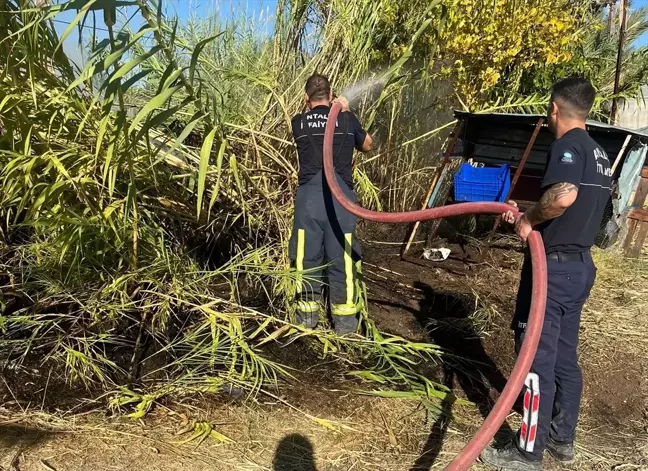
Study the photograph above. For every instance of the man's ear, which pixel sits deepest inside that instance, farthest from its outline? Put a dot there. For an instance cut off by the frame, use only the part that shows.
(554, 108)
(306, 99)
(331, 96)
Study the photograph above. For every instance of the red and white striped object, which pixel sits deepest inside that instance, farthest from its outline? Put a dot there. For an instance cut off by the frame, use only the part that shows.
(529, 429)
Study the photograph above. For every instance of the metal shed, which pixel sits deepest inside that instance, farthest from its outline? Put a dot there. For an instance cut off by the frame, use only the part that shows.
(498, 138)
(523, 141)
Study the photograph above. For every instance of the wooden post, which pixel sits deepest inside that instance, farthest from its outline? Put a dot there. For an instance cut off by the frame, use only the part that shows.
(634, 224)
(637, 221)
(641, 240)
(621, 153)
(641, 193)
(455, 136)
(627, 243)
(519, 170)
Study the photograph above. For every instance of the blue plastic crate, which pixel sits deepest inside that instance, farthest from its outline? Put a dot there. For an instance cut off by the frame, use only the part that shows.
(482, 183)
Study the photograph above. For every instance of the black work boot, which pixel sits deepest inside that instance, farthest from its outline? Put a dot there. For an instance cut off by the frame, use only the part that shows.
(563, 452)
(345, 324)
(509, 458)
(307, 319)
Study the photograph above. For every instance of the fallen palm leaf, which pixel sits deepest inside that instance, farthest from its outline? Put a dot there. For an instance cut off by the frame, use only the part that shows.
(200, 431)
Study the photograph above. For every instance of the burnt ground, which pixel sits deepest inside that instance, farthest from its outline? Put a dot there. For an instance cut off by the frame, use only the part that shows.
(463, 305)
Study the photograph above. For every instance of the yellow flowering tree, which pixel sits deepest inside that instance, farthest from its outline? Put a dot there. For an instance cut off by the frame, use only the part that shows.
(485, 44)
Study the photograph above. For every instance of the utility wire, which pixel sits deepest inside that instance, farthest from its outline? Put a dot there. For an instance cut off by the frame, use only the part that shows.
(98, 28)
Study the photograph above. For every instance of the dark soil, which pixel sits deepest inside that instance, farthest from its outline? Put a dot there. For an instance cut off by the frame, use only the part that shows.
(614, 391)
(430, 301)
(436, 302)
(317, 383)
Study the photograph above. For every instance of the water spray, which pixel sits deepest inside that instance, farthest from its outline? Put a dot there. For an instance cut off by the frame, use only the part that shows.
(359, 89)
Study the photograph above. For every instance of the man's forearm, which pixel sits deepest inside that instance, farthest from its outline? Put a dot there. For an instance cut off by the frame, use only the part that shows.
(550, 206)
(367, 145)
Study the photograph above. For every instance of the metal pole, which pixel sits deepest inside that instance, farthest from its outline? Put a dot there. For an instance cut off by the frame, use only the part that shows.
(426, 202)
(617, 75)
(518, 171)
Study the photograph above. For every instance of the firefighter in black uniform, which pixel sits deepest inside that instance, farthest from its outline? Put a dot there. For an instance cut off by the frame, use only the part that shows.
(323, 236)
(576, 187)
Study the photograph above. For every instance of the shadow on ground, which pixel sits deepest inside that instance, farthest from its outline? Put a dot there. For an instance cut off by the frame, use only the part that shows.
(16, 440)
(23, 437)
(447, 317)
(294, 453)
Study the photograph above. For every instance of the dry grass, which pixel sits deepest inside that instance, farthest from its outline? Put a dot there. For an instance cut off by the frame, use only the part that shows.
(618, 306)
(385, 437)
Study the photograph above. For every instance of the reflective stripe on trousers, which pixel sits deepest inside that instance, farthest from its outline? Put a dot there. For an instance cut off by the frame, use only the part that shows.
(323, 243)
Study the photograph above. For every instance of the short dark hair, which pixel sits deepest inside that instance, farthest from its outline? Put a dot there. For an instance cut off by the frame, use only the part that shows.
(318, 87)
(576, 94)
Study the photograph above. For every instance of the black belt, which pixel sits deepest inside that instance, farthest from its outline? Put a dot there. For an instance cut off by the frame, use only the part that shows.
(567, 256)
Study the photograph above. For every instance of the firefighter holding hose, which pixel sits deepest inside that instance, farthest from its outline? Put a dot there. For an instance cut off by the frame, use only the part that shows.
(323, 237)
(576, 187)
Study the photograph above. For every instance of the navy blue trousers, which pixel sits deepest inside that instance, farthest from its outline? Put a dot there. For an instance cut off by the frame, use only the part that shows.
(555, 383)
(324, 245)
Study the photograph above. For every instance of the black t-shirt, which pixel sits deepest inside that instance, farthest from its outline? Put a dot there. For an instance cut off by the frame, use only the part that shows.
(577, 159)
(348, 135)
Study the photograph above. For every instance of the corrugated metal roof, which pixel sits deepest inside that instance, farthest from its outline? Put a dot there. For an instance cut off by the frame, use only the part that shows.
(533, 119)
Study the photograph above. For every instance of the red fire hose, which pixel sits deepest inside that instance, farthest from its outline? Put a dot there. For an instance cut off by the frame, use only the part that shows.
(493, 422)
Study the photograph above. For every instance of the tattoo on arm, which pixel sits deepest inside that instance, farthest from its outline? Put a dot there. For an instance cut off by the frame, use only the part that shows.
(546, 208)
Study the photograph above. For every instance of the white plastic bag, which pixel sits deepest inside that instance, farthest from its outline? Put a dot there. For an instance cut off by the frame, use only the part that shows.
(436, 255)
